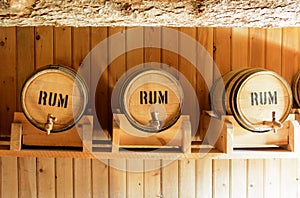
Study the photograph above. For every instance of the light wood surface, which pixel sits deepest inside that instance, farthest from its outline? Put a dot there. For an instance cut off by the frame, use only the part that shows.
(255, 172)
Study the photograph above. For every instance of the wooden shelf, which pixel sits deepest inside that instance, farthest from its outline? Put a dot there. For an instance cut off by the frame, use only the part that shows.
(102, 148)
(196, 153)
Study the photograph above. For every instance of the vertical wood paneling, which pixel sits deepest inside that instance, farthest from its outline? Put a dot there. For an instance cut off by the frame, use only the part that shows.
(80, 44)
(82, 178)
(152, 178)
(238, 178)
(25, 57)
(45, 177)
(272, 184)
(64, 177)
(255, 181)
(205, 37)
(117, 178)
(273, 49)
(185, 67)
(27, 177)
(152, 38)
(8, 82)
(289, 178)
(62, 55)
(221, 178)
(222, 49)
(134, 39)
(135, 178)
(170, 176)
(188, 71)
(100, 178)
(170, 41)
(290, 52)
(63, 46)
(23, 49)
(99, 83)
(9, 181)
(240, 48)
(204, 178)
(43, 46)
(205, 71)
(117, 65)
(187, 178)
(257, 49)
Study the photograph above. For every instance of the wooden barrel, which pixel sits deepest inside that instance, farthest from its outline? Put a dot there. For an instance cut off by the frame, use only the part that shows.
(257, 98)
(151, 99)
(54, 95)
(296, 88)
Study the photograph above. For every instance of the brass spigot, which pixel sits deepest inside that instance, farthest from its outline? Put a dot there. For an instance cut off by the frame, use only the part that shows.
(49, 124)
(155, 122)
(274, 124)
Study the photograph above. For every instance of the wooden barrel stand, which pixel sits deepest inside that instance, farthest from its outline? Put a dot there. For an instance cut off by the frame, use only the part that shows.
(234, 137)
(24, 134)
(177, 137)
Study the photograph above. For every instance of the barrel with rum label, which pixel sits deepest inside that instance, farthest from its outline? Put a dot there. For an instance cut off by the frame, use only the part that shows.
(151, 100)
(54, 98)
(259, 99)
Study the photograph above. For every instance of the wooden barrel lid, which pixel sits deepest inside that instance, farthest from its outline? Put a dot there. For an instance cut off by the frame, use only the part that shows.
(57, 91)
(151, 99)
(258, 96)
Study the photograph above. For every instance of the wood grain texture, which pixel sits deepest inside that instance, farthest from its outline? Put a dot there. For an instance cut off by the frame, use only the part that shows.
(43, 46)
(238, 178)
(170, 176)
(82, 178)
(8, 84)
(25, 57)
(135, 178)
(273, 50)
(204, 178)
(205, 66)
(99, 83)
(80, 45)
(187, 178)
(272, 170)
(62, 47)
(24, 49)
(289, 179)
(189, 72)
(64, 177)
(152, 178)
(222, 49)
(255, 181)
(100, 178)
(9, 181)
(117, 178)
(45, 177)
(27, 177)
(221, 178)
(290, 53)
(257, 47)
(240, 48)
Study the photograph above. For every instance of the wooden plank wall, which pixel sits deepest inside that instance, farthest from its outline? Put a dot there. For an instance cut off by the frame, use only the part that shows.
(24, 49)
(48, 177)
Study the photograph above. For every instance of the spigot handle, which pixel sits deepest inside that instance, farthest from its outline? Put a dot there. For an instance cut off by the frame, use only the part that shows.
(49, 124)
(274, 124)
